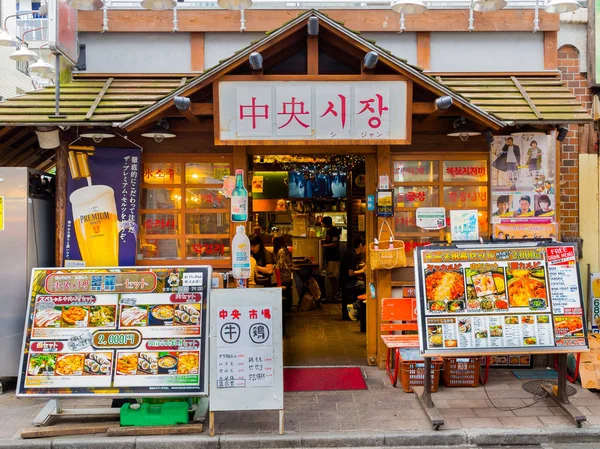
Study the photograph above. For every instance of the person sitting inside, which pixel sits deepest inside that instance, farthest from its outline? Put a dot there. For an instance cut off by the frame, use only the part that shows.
(283, 261)
(264, 261)
(352, 274)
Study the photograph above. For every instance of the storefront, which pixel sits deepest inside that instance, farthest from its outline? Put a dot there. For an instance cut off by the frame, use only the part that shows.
(298, 102)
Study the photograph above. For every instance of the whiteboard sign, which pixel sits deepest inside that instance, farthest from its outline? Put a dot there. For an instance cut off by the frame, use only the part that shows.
(246, 350)
(312, 111)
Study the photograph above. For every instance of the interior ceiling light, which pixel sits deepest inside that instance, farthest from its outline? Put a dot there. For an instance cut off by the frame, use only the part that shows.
(159, 5)
(7, 39)
(463, 130)
(488, 5)
(41, 66)
(160, 132)
(562, 6)
(24, 54)
(235, 4)
(97, 135)
(86, 5)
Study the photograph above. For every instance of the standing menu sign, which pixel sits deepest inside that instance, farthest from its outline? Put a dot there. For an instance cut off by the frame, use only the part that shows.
(511, 298)
(117, 332)
(246, 356)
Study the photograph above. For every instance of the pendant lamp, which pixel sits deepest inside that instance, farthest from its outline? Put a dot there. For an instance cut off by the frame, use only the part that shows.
(86, 5)
(235, 4)
(409, 6)
(488, 5)
(24, 54)
(159, 5)
(7, 39)
(562, 6)
(41, 66)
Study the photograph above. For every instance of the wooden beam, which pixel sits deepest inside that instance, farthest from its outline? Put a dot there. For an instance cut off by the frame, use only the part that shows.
(550, 50)
(262, 20)
(14, 153)
(202, 108)
(197, 52)
(191, 117)
(62, 173)
(98, 99)
(370, 230)
(15, 138)
(4, 131)
(423, 108)
(424, 50)
(529, 101)
(312, 58)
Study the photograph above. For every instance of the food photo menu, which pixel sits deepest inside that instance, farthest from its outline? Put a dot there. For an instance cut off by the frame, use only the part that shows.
(119, 331)
(509, 297)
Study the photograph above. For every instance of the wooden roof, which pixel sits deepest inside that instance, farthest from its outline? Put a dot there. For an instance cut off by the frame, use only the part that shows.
(276, 40)
(19, 147)
(101, 100)
(521, 99)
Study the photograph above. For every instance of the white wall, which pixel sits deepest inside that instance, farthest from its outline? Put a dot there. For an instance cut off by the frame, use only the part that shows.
(137, 52)
(219, 46)
(487, 52)
(402, 45)
(12, 81)
(575, 34)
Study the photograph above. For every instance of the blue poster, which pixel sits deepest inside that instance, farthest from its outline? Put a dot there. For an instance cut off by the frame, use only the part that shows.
(102, 207)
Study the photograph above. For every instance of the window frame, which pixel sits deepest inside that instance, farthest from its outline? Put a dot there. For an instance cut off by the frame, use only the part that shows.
(181, 236)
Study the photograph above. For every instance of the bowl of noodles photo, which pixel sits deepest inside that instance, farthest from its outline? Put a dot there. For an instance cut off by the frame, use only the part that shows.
(525, 286)
(161, 315)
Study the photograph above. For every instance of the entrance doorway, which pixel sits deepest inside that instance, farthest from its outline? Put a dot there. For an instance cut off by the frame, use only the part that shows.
(292, 196)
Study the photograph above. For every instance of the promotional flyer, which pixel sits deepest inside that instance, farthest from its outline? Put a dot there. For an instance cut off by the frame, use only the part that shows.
(117, 332)
(102, 211)
(475, 299)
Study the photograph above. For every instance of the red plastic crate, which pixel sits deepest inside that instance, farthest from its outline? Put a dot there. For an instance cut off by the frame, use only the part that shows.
(412, 374)
(462, 372)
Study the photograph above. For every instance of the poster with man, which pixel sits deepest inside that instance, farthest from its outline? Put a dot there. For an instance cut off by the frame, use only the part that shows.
(523, 172)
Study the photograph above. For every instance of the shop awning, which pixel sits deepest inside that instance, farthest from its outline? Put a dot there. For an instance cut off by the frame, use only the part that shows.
(521, 99)
(89, 101)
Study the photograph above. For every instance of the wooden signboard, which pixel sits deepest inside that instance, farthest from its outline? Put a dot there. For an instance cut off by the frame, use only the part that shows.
(499, 298)
(116, 331)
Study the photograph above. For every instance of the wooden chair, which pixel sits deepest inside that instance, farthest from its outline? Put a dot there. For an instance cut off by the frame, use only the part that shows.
(398, 314)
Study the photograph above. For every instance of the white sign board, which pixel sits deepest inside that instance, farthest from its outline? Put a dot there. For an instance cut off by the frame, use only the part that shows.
(464, 225)
(246, 355)
(431, 218)
(62, 30)
(313, 111)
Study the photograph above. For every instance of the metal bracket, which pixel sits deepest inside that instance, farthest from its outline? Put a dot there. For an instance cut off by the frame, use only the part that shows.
(104, 19)
(242, 20)
(175, 21)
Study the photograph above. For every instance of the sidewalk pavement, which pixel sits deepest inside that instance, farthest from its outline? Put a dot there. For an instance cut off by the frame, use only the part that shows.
(381, 415)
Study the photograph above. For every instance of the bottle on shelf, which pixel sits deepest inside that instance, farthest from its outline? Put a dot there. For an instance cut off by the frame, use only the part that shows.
(239, 199)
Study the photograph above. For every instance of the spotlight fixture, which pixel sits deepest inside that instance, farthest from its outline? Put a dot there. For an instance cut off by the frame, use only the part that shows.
(370, 60)
(97, 135)
(182, 103)
(235, 4)
(462, 130)
(160, 131)
(7, 39)
(313, 26)
(562, 133)
(256, 61)
(41, 66)
(444, 103)
(489, 138)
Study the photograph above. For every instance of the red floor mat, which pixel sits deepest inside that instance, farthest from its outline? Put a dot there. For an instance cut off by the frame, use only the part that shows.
(323, 379)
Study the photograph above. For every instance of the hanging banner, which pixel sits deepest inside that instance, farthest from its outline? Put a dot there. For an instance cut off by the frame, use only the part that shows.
(523, 174)
(505, 298)
(102, 207)
(116, 331)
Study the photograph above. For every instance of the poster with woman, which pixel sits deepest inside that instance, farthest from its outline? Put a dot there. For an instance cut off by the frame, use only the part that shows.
(523, 172)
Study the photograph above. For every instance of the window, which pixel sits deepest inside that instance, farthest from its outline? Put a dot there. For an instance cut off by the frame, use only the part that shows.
(184, 218)
(23, 67)
(450, 181)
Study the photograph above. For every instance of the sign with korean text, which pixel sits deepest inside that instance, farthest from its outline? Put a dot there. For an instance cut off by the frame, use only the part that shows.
(102, 212)
(116, 331)
(367, 112)
(510, 298)
(246, 350)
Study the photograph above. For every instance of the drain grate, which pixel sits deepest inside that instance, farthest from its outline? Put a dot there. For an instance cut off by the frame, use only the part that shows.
(535, 387)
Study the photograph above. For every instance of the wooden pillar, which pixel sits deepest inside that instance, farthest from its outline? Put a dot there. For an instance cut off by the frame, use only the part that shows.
(62, 171)
(550, 50)
(370, 224)
(312, 59)
(424, 50)
(197, 52)
(383, 285)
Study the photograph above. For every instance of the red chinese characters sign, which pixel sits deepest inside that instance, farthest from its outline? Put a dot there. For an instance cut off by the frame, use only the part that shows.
(312, 111)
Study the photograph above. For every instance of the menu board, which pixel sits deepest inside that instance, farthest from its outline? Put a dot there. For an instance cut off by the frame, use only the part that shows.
(246, 350)
(117, 332)
(510, 298)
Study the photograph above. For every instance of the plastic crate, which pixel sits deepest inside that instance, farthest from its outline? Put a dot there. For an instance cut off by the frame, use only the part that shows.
(462, 372)
(412, 374)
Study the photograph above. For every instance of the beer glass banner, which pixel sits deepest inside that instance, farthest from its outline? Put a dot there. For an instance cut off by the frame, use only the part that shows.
(116, 332)
(312, 111)
(102, 208)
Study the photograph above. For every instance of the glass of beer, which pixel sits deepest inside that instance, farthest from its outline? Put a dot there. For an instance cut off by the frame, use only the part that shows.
(96, 225)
